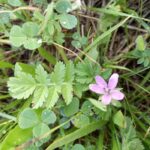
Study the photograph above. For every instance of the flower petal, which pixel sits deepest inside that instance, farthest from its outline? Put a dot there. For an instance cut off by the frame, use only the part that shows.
(113, 80)
(96, 88)
(117, 95)
(101, 82)
(106, 99)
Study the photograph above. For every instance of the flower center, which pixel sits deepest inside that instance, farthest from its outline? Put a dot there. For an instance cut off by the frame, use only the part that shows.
(107, 90)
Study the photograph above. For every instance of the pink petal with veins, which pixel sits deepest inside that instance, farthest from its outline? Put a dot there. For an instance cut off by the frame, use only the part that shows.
(101, 82)
(96, 88)
(113, 80)
(117, 95)
(106, 99)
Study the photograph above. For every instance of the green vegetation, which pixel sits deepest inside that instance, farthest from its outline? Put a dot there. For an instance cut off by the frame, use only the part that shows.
(74, 75)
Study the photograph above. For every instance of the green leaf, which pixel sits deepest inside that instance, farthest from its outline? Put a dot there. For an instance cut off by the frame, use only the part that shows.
(27, 68)
(78, 147)
(40, 130)
(17, 37)
(40, 96)
(76, 44)
(30, 29)
(98, 104)
(72, 108)
(52, 97)
(5, 64)
(69, 74)
(27, 118)
(63, 6)
(67, 90)
(80, 121)
(62, 120)
(76, 134)
(47, 55)
(48, 116)
(57, 76)
(76, 36)
(85, 71)
(41, 75)
(15, 137)
(136, 144)
(87, 108)
(68, 21)
(22, 86)
(119, 119)
(140, 43)
(51, 29)
(32, 43)
(14, 3)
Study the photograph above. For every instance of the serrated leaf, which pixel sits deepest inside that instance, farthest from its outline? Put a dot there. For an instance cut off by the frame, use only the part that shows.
(86, 71)
(22, 86)
(30, 29)
(17, 37)
(98, 104)
(69, 74)
(68, 21)
(27, 118)
(48, 116)
(57, 76)
(41, 75)
(63, 6)
(52, 97)
(32, 43)
(40, 96)
(67, 90)
(136, 144)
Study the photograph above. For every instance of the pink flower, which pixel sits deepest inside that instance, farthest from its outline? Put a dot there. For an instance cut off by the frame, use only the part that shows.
(108, 91)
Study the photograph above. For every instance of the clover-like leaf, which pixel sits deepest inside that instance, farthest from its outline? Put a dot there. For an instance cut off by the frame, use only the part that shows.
(14, 3)
(63, 6)
(78, 147)
(81, 120)
(32, 43)
(40, 130)
(48, 116)
(17, 37)
(30, 29)
(27, 118)
(72, 108)
(68, 21)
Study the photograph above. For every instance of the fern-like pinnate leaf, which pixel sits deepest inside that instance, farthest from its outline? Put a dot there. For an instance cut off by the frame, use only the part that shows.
(69, 75)
(21, 86)
(67, 92)
(67, 87)
(44, 87)
(57, 76)
(52, 97)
